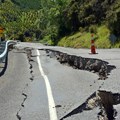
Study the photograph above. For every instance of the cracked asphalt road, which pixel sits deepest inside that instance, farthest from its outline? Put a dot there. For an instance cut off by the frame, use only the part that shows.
(12, 83)
(23, 93)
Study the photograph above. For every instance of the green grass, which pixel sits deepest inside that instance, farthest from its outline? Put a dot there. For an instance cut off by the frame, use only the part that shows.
(82, 40)
(103, 34)
(77, 40)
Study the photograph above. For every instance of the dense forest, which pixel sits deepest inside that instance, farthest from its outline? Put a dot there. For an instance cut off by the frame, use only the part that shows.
(52, 20)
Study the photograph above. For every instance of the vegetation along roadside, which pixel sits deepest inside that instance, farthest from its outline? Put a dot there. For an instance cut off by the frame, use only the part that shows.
(67, 23)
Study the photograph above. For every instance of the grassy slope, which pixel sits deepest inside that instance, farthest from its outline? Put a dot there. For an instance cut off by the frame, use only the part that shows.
(82, 40)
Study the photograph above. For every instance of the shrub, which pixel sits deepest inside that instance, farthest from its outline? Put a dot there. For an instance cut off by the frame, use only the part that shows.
(81, 29)
(47, 40)
(28, 39)
(93, 29)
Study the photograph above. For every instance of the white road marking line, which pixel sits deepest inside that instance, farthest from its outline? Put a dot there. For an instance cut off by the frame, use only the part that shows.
(52, 109)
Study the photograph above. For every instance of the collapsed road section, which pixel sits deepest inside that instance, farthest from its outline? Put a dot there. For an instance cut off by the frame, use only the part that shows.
(105, 100)
(102, 68)
(97, 99)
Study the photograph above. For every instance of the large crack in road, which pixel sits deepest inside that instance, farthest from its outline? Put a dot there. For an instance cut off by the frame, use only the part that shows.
(102, 99)
(105, 100)
(102, 68)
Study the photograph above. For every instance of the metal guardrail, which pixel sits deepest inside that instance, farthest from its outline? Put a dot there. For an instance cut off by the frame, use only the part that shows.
(4, 48)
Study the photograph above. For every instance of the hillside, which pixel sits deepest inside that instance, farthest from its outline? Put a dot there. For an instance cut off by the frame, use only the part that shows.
(101, 17)
(28, 4)
(55, 22)
(83, 39)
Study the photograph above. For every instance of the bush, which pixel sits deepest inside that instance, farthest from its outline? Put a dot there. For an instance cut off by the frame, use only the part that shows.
(47, 40)
(93, 29)
(81, 29)
(21, 37)
(28, 39)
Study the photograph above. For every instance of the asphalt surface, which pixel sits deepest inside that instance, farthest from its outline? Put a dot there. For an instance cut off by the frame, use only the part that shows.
(12, 84)
(23, 92)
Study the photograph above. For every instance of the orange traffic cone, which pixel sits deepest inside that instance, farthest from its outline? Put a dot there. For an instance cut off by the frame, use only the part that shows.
(93, 49)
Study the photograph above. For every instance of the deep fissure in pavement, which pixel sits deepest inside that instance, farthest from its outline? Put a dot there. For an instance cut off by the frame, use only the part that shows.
(102, 99)
(29, 56)
(105, 100)
(102, 68)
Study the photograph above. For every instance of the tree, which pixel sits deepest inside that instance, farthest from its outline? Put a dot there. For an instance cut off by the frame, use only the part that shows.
(113, 17)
